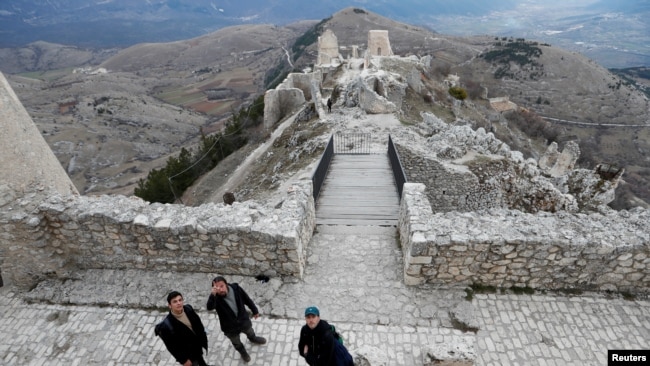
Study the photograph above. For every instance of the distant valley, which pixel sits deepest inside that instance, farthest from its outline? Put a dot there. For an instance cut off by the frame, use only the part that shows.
(110, 124)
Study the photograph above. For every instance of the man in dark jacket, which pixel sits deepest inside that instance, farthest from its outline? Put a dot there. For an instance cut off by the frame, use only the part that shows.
(182, 332)
(317, 343)
(229, 301)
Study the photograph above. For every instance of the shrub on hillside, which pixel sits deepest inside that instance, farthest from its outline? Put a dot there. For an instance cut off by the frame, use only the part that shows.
(458, 92)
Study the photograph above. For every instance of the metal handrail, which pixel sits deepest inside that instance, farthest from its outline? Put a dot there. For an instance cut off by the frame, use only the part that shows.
(320, 172)
(396, 166)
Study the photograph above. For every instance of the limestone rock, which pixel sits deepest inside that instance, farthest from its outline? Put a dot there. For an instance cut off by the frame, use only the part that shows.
(591, 190)
(455, 354)
(414, 80)
(369, 356)
(555, 164)
(464, 318)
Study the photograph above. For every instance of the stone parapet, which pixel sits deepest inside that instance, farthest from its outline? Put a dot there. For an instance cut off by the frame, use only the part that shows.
(449, 189)
(508, 248)
(68, 233)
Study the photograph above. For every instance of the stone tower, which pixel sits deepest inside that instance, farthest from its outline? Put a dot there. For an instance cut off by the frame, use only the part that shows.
(378, 43)
(328, 48)
(29, 165)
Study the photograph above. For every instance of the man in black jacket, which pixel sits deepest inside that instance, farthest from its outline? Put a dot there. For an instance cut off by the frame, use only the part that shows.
(182, 332)
(317, 343)
(229, 300)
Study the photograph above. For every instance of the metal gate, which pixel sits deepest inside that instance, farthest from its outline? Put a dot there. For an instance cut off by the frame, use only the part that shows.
(352, 143)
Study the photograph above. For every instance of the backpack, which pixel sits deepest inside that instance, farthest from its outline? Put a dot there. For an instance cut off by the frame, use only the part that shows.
(157, 330)
(336, 334)
(341, 355)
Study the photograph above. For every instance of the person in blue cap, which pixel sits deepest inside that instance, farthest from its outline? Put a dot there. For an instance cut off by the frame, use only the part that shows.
(318, 344)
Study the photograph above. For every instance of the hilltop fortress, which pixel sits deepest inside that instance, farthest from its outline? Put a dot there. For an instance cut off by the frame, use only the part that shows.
(472, 212)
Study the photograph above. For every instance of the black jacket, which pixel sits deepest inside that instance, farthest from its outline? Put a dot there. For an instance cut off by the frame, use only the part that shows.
(181, 341)
(320, 344)
(229, 323)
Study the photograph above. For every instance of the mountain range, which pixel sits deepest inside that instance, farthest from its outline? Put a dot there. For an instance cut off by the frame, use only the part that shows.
(613, 33)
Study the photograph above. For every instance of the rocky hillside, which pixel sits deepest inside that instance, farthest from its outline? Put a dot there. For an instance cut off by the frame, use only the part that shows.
(221, 50)
(42, 56)
(106, 132)
(111, 123)
(554, 82)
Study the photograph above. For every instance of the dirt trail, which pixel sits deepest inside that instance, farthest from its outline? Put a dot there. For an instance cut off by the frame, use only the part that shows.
(231, 172)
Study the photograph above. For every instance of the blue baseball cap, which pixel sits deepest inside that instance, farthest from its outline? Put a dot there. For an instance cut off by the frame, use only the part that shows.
(312, 310)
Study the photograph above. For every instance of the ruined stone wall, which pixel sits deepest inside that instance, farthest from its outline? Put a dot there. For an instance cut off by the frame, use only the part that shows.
(279, 103)
(326, 73)
(373, 103)
(68, 233)
(328, 48)
(506, 248)
(448, 189)
(290, 95)
(301, 81)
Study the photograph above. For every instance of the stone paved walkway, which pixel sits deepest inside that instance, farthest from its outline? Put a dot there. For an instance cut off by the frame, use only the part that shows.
(106, 317)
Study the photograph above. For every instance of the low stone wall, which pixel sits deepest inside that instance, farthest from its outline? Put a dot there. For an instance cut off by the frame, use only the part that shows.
(67, 233)
(506, 248)
(448, 189)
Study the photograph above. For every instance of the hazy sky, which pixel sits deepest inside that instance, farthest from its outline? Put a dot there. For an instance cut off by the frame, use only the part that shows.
(121, 23)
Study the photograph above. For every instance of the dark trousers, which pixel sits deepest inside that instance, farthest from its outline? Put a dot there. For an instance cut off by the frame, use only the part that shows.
(236, 341)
